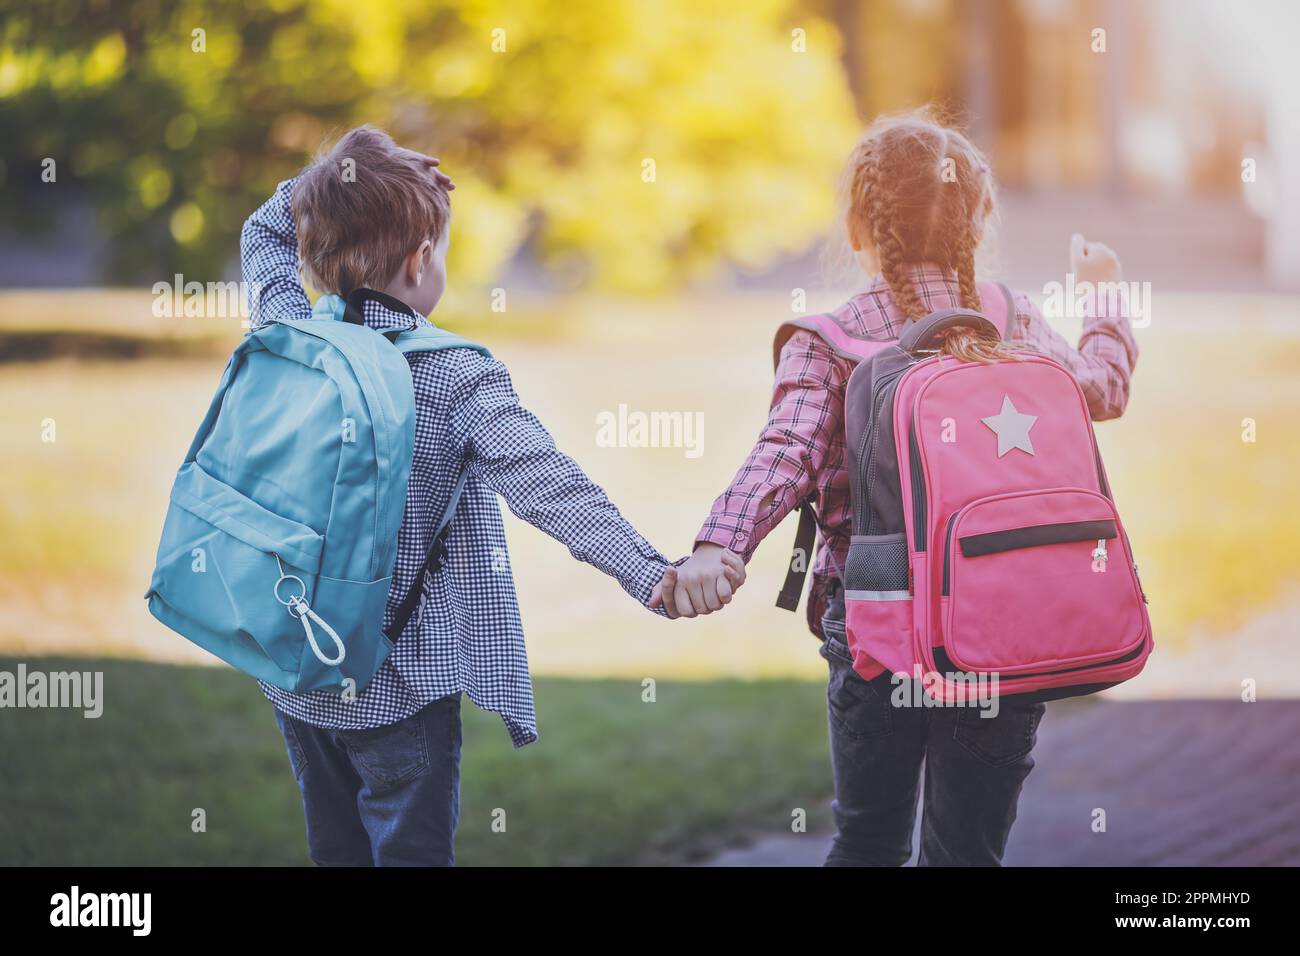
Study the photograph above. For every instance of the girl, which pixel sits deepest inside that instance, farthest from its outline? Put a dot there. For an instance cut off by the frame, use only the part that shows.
(918, 199)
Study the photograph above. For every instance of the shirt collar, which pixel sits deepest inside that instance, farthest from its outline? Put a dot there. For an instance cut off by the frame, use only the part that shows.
(923, 274)
(384, 313)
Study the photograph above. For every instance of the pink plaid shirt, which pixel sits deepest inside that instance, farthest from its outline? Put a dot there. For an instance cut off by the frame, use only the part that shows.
(800, 454)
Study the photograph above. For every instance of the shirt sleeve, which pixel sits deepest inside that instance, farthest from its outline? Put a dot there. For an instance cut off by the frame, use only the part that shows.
(1104, 360)
(510, 451)
(780, 472)
(268, 255)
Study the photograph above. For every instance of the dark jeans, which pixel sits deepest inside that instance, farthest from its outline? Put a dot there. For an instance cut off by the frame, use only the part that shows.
(974, 769)
(382, 797)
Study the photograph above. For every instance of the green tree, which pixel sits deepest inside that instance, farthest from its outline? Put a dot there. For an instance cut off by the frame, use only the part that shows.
(632, 145)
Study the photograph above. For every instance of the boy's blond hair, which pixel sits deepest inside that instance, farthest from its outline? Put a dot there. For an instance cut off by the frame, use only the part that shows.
(361, 209)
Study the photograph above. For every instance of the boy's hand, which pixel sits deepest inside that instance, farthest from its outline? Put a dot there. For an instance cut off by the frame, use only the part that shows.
(433, 163)
(702, 585)
(1093, 261)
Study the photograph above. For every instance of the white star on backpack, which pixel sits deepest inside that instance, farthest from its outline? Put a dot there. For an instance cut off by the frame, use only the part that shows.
(1011, 427)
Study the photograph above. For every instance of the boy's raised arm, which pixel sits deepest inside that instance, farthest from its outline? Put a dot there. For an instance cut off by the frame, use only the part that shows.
(511, 452)
(268, 255)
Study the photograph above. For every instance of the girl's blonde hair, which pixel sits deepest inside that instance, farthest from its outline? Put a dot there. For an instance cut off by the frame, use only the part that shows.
(919, 191)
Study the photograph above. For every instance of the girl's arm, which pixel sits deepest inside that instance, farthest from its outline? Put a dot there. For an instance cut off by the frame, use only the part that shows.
(779, 473)
(1103, 362)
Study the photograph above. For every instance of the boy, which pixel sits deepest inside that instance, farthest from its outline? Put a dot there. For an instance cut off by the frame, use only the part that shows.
(379, 773)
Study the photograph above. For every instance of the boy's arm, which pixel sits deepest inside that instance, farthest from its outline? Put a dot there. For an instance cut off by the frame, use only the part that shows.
(268, 255)
(511, 452)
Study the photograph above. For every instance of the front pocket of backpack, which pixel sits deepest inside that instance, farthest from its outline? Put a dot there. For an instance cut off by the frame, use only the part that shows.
(217, 574)
(877, 600)
(1038, 582)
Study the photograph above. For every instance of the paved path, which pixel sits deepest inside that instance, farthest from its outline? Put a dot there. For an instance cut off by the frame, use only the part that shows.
(1183, 782)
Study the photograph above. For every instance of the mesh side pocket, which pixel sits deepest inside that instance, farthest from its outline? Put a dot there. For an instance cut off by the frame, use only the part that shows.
(877, 563)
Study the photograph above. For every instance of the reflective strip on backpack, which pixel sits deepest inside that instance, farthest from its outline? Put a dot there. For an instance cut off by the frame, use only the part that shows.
(877, 595)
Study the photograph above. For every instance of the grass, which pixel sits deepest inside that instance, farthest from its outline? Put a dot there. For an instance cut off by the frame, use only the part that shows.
(613, 780)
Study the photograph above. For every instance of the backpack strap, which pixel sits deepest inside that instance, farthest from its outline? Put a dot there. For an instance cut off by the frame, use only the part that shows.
(998, 307)
(924, 335)
(430, 338)
(805, 537)
(433, 562)
(856, 349)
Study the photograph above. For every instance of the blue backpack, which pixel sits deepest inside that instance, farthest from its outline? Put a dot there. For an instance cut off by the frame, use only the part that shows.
(281, 533)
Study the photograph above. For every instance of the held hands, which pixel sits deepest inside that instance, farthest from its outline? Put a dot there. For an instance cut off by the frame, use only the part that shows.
(1093, 261)
(702, 585)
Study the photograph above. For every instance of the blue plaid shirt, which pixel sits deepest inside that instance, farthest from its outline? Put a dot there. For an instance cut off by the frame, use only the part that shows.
(467, 635)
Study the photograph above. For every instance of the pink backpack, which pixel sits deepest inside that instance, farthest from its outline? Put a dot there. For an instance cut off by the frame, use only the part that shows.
(985, 540)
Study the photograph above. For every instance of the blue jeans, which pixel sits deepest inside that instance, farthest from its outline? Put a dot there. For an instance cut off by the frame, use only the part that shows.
(388, 796)
(974, 769)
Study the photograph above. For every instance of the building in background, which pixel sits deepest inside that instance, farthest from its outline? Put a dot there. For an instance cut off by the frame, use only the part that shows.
(1136, 134)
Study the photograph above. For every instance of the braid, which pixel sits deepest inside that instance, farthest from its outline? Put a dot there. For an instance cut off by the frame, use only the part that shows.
(922, 193)
(893, 266)
(967, 344)
(876, 208)
(965, 265)
(961, 222)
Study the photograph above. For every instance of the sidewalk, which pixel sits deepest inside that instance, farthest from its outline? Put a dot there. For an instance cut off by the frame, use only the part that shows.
(1183, 783)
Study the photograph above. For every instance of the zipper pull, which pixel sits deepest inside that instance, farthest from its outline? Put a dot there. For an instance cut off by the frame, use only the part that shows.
(1141, 590)
(1099, 556)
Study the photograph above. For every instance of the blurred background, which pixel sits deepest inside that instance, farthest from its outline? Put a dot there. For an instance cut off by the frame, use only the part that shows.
(645, 190)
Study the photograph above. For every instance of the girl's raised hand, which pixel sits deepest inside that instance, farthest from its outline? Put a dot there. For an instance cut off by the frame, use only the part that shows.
(1093, 261)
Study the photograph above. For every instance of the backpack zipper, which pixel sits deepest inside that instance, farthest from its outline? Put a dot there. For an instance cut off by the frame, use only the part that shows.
(944, 661)
(916, 478)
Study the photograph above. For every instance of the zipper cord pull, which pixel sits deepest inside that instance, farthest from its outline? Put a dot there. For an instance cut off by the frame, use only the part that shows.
(1099, 556)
